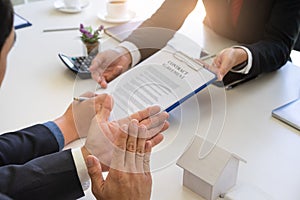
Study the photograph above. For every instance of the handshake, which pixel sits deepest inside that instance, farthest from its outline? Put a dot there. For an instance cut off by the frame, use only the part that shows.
(120, 147)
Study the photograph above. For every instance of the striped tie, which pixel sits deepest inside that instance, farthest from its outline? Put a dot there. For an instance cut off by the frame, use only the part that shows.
(235, 10)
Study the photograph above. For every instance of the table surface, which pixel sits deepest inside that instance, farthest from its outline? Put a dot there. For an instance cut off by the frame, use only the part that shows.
(38, 88)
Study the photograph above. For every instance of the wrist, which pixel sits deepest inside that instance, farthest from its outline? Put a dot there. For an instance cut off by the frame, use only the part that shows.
(124, 52)
(56, 131)
(135, 55)
(67, 127)
(241, 55)
(244, 64)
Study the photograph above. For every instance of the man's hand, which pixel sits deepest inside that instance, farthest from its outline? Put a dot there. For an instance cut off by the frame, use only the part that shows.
(109, 64)
(76, 120)
(129, 176)
(226, 60)
(102, 134)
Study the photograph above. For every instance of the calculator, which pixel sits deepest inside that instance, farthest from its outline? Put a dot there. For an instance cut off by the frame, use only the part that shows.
(79, 65)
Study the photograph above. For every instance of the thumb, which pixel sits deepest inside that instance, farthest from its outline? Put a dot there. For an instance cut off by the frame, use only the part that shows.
(95, 171)
(105, 110)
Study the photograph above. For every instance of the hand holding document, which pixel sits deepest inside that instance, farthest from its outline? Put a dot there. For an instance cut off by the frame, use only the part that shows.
(167, 79)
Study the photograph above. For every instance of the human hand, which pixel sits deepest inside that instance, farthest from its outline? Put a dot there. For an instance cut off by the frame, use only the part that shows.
(102, 134)
(129, 176)
(109, 64)
(226, 60)
(76, 120)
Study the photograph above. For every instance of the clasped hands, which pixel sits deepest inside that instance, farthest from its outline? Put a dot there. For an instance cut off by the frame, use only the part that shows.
(103, 134)
(121, 147)
(129, 175)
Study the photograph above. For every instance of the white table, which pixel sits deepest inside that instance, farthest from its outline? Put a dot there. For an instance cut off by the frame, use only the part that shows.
(38, 88)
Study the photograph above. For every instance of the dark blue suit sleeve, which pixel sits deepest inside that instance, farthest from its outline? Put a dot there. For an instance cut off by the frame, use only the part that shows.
(52, 176)
(21, 146)
(269, 29)
(154, 33)
(279, 37)
(4, 197)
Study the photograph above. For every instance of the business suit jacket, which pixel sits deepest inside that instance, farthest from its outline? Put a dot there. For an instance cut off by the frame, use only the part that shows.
(31, 167)
(269, 28)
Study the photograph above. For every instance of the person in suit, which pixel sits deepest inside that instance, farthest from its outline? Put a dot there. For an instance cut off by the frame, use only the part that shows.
(266, 30)
(32, 165)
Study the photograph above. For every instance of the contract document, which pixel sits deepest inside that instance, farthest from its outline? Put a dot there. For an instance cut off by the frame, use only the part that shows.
(167, 79)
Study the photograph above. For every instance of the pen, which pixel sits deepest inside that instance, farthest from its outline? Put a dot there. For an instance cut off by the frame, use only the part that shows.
(80, 99)
(236, 83)
(60, 29)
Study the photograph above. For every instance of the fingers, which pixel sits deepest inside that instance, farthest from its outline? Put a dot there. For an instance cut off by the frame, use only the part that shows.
(156, 139)
(94, 171)
(155, 120)
(97, 68)
(103, 82)
(131, 145)
(143, 114)
(118, 158)
(140, 149)
(131, 153)
(223, 64)
(104, 99)
(150, 117)
(226, 60)
(100, 64)
(214, 67)
(110, 75)
(133, 133)
(107, 65)
(105, 106)
(146, 163)
(165, 127)
(156, 123)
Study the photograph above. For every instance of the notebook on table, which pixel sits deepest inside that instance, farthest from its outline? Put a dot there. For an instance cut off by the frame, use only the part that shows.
(289, 113)
(20, 22)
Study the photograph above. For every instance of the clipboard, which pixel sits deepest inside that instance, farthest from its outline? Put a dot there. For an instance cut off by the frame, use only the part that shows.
(167, 78)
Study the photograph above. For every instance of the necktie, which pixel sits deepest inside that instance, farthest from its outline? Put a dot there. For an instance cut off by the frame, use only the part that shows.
(235, 10)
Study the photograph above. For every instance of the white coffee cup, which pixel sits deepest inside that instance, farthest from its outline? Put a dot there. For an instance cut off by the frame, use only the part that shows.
(72, 3)
(117, 9)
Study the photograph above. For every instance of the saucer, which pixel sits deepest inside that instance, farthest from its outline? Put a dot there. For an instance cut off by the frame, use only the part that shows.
(108, 19)
(60, 5)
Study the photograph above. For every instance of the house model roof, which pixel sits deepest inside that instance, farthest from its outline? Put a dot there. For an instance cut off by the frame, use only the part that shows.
(210, 166)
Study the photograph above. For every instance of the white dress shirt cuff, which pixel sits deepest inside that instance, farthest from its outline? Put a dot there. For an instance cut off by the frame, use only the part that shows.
(133, 50)
(81, 168)
(247, 68)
